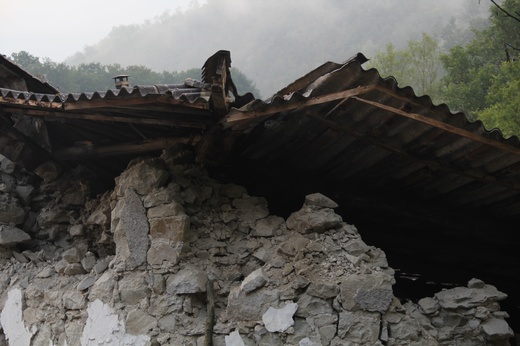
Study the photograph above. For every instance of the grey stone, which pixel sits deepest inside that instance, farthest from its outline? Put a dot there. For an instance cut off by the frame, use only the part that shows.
(77, 230)
(428, 305)
(234, 339)
(233, 191)
(165, 304)
(101, 265)
(130, 228)
(25, 193)
(279, 320)
(87, 282)
(157, 197)
(89, 261)
(359, 327)
(174, 228)
(74, 269)
(496, 329)
(254, 280)
(294, 245)
(10, 235)
(48, 171)
(371, 292)
(319, 200)
(139, 322)
(71, 255)
(356, 247)
(187, 281)
(323, 290)
(133, 287)
(142, 175)
(251, 208)
(46, 272)
(164, 210)
(307, 220)
(7, 165)
(267, 227)
(407, 329)
(462, 297)
(476, 283)
(376, 299)
(310, 306)
(164, 252)
(103, 287)
(251, 306)
(74, 300)
(101, 216)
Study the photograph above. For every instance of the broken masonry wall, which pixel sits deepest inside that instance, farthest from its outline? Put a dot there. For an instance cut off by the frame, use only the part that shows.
(141, 265)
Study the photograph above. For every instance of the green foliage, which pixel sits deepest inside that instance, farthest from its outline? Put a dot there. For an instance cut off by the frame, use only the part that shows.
(418, 65)
(98, 77)
(503, 100)
(482, 77)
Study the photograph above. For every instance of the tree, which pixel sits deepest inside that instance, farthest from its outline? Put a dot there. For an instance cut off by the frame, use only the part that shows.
(418, 65)
(98, 77)
(503, 98)
(482, 76)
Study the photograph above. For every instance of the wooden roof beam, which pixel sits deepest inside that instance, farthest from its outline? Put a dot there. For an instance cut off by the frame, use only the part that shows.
(237, 116)
(55, 115)
(122, 149)
(444, 126)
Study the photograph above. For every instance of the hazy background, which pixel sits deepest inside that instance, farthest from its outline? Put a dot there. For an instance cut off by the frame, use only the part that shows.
(273, 42)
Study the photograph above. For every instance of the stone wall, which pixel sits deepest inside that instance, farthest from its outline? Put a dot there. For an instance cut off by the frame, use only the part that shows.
(170, 255)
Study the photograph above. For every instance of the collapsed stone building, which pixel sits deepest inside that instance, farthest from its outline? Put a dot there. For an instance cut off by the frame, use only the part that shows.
(190, 215)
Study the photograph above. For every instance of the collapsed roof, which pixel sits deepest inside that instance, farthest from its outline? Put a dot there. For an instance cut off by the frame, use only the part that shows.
(364, 140)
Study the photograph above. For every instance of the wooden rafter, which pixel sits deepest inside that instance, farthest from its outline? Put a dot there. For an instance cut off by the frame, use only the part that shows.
(122, 149)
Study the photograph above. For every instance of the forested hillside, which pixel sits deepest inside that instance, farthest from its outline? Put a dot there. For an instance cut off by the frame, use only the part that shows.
(274, 42)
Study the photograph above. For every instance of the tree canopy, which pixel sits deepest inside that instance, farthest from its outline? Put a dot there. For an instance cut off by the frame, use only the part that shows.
(96, 76)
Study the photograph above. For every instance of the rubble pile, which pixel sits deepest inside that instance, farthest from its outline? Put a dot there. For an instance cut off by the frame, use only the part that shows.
(172, 257)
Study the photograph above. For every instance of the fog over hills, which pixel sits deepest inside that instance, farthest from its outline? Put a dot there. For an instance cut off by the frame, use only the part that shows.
(274, 42)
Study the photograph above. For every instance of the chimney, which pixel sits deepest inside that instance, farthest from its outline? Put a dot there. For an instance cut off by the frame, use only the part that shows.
(121, 81)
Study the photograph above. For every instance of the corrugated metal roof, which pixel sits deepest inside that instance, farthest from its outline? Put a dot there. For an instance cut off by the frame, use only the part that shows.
(350, 126)
(12, 75)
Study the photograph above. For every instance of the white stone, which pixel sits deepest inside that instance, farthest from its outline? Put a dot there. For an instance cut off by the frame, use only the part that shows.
(307, 342)
(234, 339)
(103, 327)
(10, 235)
(496, 329)
(254, 280)
(279, 320)
(12, 322)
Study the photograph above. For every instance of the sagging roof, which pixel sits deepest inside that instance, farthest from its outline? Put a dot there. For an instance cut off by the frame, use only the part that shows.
(344, 124)
(13, 76)
(339, 122)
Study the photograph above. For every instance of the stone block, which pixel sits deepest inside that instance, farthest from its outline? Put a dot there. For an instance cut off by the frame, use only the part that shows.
(279, 320)
(254, 280)
(175, 228)
(187, 281)
(10, 235)
(130, 228)
(307, 220)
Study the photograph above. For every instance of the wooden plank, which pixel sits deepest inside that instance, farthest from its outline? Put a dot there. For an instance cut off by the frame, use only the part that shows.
(19, 148)
(8, 101)
(125, 102)
(235, 115)
(50, 115)
(444, 126)
(472, 174)
(122, 149)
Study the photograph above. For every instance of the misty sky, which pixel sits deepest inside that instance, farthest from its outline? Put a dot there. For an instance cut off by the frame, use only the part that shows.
(58, 28)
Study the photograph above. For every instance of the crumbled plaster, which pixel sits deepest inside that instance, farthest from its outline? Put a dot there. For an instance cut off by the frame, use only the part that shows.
(12, 322)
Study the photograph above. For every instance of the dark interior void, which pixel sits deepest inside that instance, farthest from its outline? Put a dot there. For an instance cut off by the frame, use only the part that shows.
(430, 246)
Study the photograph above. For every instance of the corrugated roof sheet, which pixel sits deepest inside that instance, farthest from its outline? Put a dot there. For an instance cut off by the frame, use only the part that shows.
(373, 133)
